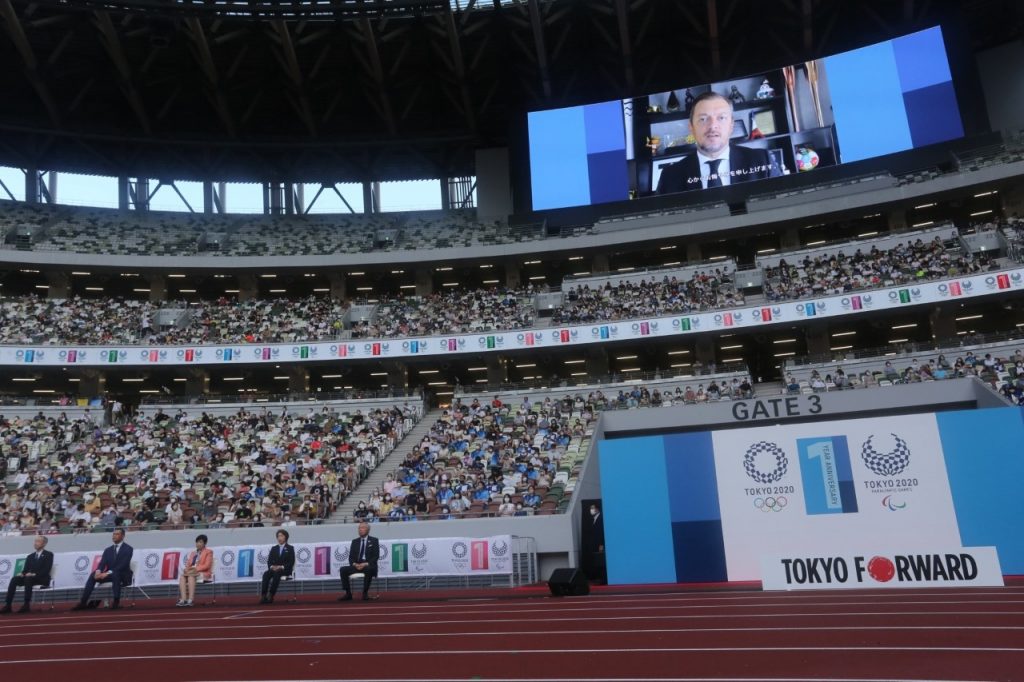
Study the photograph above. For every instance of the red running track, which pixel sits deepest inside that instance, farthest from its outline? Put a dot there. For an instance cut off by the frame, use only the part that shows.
(961, 634)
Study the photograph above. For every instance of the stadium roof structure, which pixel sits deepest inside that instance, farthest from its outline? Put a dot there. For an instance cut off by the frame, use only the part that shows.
(356, 90)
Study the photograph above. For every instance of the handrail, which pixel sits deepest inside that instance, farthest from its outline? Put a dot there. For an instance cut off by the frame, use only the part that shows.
(904, 349)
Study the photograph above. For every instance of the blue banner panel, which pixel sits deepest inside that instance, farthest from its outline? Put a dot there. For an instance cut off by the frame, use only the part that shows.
(869, 114)
(638, 538)
(985, 465)
(558, 158)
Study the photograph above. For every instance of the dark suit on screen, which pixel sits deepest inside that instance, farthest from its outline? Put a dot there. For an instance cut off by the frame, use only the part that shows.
(745, 164)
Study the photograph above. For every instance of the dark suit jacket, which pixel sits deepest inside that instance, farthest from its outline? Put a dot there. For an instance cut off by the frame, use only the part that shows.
(120, 563)
(40, 568)
(372, 553)
(745, 164)
(282, 556)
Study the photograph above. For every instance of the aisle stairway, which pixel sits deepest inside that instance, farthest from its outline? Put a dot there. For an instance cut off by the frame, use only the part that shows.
(390, 463)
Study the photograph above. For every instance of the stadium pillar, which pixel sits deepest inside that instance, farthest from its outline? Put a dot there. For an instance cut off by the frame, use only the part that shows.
(123, 195)
(298, 379)
(141, 194)
(91, 384)
(248, 289)
(424, 282)
(789, 239)
(207, 197)
(60, 284)
(943, 323)
(446, 199)
(497, 371)
(197, 382)
(704, 352)
(1012, 199)
(32, 190)
(371, 197)
(600, 264)
(339, 285)
(818, 342)
(157, 286)
(693, 252)
(897, 220)
(398, 376)
(513, 274)
(597, 363)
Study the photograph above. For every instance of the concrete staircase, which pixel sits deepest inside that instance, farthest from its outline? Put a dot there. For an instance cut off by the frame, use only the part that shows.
(390, 463)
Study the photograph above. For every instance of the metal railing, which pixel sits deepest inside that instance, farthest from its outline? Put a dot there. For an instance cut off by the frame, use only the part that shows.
(906, 349)
(624, 379)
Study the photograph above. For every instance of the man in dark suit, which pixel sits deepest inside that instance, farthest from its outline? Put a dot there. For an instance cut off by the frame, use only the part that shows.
(280, 563)
(716, 163)
(363, 556)
(35, 572)
(115, 567)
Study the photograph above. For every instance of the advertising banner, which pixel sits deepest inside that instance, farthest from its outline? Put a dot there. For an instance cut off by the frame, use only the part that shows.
(958, 567)
(313, 561)
(908, 490)
(787, 313)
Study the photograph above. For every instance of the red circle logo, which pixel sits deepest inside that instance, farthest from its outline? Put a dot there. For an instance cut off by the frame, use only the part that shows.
(881, 569)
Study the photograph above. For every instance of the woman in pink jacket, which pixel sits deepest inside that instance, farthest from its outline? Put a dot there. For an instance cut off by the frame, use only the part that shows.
(198, 563)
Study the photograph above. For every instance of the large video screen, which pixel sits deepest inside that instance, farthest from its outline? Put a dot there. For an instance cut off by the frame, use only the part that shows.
(709, 506)
(880, 99)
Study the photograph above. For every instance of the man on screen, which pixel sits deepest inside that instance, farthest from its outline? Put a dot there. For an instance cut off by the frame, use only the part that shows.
(716, 163)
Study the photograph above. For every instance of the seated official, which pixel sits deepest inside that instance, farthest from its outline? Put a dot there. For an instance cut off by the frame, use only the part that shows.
(198, 563)
(35, 573)
(363, 556)
(115, 567)
(280, 564)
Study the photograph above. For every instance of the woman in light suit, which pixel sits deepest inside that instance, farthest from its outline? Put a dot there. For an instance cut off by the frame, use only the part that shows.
(197, 563)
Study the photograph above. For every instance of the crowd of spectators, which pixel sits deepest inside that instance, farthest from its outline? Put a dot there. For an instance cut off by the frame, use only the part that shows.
(314, 318)
(166, 471)
(1003, 372)
(484, 458)
(841, 273)
(74, 320)
(648, 298)
(451, 312)
(490, 458)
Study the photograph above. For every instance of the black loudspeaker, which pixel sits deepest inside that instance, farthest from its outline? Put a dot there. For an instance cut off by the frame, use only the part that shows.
(568, 582)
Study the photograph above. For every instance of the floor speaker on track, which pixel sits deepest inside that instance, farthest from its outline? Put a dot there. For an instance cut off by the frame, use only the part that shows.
(568, 582)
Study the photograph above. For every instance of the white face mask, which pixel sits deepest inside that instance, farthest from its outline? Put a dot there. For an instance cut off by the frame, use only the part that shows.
(593, 512)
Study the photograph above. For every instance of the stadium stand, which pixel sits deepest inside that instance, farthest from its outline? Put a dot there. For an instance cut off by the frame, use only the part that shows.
(1000, 364)
(896, 258)
(167, 470)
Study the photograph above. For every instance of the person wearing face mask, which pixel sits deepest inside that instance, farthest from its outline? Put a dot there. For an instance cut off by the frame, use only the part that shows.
(507, 508)
(593, 543)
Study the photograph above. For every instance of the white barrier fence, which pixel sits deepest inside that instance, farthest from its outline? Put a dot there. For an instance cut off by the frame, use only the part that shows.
(455, 556)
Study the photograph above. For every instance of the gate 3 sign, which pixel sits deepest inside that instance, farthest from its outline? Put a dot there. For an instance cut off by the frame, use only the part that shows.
(974, 566)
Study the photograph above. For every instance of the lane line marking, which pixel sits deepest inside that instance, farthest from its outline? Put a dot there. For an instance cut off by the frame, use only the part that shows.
(506, 621)
(501, 633)
(519, 651)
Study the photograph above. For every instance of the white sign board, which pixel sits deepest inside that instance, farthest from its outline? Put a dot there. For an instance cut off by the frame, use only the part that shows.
(959, 567)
